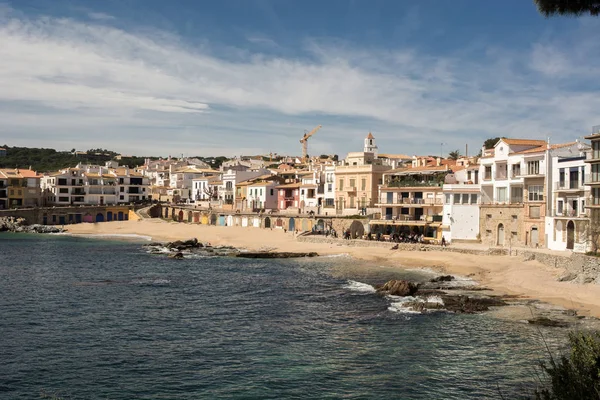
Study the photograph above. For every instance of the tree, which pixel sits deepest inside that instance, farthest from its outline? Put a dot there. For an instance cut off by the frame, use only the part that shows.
(576, 8)
(490, 143)
(576, 376)
(335, 158)
(454, 155)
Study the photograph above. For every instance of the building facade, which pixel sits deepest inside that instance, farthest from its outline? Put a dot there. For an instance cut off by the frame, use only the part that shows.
(593, 182)
(22, 188)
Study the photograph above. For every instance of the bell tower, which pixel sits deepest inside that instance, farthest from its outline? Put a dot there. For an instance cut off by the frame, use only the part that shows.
(370, 146)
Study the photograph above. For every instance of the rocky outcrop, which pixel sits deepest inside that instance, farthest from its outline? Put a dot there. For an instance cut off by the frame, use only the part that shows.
(270, 254)
(442, 278)
(398, 288)
(469, 305)
(545, 321)
(12, 224)
(176, 256)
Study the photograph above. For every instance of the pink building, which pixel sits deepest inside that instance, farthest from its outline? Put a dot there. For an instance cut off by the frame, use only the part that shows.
(288, 196)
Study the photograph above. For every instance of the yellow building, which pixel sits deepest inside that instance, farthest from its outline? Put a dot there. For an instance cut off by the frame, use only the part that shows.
(22, 188)
(357, 179)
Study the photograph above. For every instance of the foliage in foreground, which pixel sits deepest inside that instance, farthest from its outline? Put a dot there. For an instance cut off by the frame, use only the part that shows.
(576, 376)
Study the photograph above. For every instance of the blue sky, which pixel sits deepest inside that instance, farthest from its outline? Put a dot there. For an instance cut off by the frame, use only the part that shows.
(237, 77)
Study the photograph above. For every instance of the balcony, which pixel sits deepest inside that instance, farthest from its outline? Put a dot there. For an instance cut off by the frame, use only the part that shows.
(565, 186)
(407, 217)
(78, 192)
(411, 183)
(592, 179)
(411, 201)
(350, 189)
(570, 214)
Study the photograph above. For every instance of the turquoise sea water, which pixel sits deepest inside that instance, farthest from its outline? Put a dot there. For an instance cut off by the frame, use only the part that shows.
(97, 319)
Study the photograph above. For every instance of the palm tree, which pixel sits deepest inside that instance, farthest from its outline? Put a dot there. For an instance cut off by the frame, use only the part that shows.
(551, 8)
(453, 155)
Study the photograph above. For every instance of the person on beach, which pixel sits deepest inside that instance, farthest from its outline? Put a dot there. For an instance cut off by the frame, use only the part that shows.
(443, 241)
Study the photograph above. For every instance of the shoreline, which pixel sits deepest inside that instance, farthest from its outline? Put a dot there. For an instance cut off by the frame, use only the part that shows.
(504, 275)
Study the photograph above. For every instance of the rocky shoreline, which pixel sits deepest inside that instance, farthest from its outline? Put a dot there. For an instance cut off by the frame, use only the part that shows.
(12, 224)
(181, 248)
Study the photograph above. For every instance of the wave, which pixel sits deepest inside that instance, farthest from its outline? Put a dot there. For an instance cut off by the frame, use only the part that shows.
(151, 282)
(341, 255)
(359, 287)
(399, 304)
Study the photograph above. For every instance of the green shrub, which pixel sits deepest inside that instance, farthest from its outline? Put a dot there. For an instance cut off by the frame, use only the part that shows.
(577, 376)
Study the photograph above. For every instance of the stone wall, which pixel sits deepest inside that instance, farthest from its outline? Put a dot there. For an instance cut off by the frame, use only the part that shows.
(69, 215)
(580, 268)
(494, 218)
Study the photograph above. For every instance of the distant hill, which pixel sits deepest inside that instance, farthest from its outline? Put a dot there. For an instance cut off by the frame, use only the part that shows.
(44, 160)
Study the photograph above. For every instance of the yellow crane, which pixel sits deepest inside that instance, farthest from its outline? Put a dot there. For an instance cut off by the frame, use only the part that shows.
(304, 142)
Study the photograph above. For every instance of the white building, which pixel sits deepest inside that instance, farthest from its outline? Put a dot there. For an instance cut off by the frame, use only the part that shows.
(460, 215)
(329, 189)
(94, 184)
(202, 190)
(232, 177)
(568, 218)
(262, 195)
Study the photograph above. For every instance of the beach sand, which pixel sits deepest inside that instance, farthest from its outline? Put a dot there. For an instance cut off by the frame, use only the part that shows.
(503, 274)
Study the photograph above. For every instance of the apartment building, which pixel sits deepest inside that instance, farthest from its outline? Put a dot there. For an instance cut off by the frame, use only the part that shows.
(567, 219)
(411, 201)
(95, 184)
(358, 178)
(21, 188)
(329, 189)
(593, 182)
(514, 186)
(263, 194)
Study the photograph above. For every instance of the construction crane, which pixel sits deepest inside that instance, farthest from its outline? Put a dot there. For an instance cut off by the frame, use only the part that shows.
(304, 142)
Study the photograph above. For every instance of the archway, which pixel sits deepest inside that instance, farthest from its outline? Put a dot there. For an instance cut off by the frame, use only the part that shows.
(292, 224)
(229, 220)
(197, 218)
(99, 217)
(244, 221)
(120, 215)
(213, 219)
(180, 216)
(189, 216)
(279, 222)
(109, 216)
(357, 229)
(221, 220)
(500, 241)
(570, 235)
(305, 225)
(204, 219)
(256, 222)
(320, 225)
(173, 214)
(267, 222)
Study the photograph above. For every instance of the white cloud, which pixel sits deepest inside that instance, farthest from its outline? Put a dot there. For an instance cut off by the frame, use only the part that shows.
(100, 16)
(85, 74)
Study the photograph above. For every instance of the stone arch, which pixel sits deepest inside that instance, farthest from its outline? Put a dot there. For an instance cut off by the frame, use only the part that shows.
(237, 220)
(180, 216)
(267, 222)
(500, 237)
(230, 220)
(197, 218)
(204, 219)
(320, 225)
(357, 229)
(292, 224)
(189, 216)
(279, 223)
(166, 211)
(109, 216)
(221, 220)
(244, 221)
(99, 217)
(173, 214)
(570, 235)
(213, 219)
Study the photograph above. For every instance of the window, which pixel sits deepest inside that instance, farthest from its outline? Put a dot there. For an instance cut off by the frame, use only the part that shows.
(501, 195)
(596, 149)
(465, 198)
(595, 196)
(351, 201)
(456, 198)
(122, 189)
(473, 198)
(536, 193)
(501, 171)
(261, 192)
(514, 218)
(534, 211)
(121, 197)
(63, 190)
(516, 194)
(595, 173)
(329, 202)
(488, 216)
(447, 199)
(533, 167)
(487, 173)
(329, 187)
(302, 192)
(63, 199)
(352, 183)
(516, 170)
(363, 184)
(559, 207)
(341, 184)
(271, 192)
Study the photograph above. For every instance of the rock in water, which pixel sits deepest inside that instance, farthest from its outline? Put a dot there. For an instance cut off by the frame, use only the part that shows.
(399, 288)
(443, 278)
(176, 256)
(544, 321)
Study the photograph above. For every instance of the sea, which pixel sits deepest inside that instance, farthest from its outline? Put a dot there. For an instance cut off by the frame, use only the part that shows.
(85, 318)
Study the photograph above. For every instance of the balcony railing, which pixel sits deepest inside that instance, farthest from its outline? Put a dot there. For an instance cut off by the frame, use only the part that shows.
(592, 179)
(571, 213)
(350, 189)
(413, 184)
(408, 200)
(408, 217)
(570, 185)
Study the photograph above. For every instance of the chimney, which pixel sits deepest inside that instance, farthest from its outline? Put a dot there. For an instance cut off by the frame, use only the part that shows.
(438, 161)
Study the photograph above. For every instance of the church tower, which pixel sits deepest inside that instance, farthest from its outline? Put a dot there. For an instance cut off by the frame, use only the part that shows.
(370, 146)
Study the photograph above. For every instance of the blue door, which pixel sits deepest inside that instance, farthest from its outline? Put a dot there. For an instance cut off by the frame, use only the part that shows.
(99, 217)
(109, 216)
(77, 218)
(292, 224)
(221, 220)
(61, 220)
(120, 215)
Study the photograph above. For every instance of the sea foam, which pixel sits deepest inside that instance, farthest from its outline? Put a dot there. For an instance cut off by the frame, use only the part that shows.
(360, 287)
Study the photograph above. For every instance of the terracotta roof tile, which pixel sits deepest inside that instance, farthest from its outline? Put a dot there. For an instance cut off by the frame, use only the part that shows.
(523, 142)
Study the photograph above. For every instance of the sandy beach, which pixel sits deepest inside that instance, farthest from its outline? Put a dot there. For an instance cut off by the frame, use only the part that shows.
(503, 274)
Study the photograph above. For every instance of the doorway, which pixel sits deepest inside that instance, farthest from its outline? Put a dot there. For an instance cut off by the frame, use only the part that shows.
(570, 235)
(500, 235)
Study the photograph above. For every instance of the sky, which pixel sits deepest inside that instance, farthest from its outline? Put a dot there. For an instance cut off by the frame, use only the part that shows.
(232, 77)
